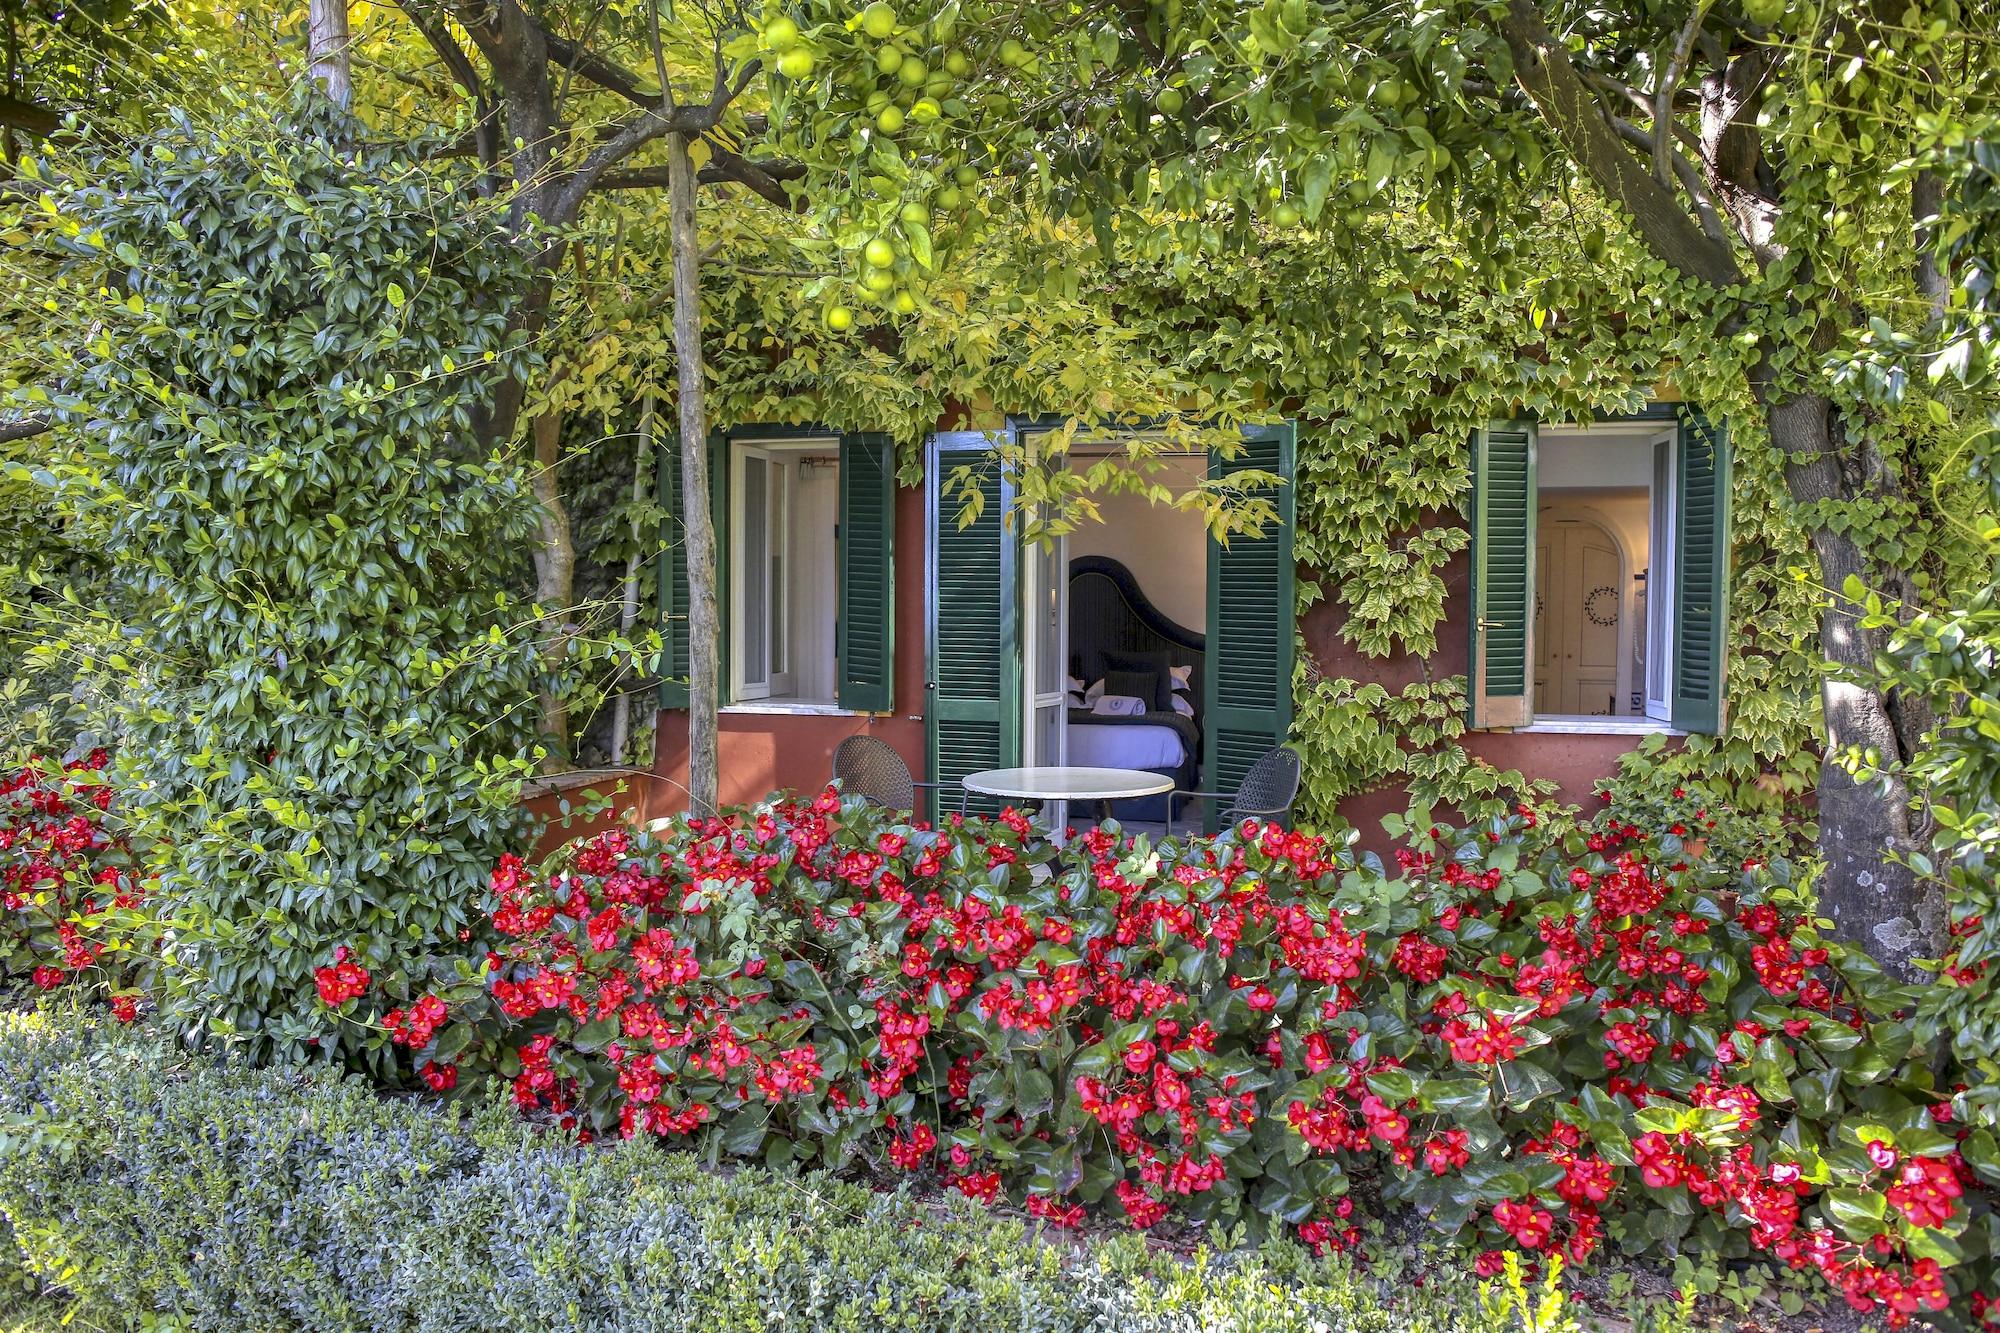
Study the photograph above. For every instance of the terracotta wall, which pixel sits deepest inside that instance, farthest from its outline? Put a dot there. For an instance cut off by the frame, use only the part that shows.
(762, 752)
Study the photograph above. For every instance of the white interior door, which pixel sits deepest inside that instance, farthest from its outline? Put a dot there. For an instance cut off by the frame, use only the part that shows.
(1659, 626)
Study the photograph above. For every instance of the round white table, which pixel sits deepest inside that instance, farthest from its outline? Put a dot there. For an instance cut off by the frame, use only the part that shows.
(1056, 785)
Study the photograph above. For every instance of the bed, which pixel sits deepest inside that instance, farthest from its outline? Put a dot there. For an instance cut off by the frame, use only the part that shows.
(1114, 626)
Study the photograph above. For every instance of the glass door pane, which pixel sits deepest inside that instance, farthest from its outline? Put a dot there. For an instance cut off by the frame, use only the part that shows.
(751, 653)
(1659, 585)
(1045, 639)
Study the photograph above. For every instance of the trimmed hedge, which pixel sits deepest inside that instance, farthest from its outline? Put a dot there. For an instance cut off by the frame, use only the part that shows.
(152, 1191)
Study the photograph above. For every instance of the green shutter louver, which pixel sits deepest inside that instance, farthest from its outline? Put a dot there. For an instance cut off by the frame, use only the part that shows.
(1252, 622)
(867, 573)
(1503, 575)
(1701, 574)
(674, 566)
(673, 578)
(972, 717)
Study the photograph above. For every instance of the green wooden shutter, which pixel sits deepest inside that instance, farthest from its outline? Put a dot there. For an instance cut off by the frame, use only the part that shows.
(1701, 573)
(673, 578)
(867, 573)
(1252, 622)
(673, 569)
(972, 718)
(1501, 689)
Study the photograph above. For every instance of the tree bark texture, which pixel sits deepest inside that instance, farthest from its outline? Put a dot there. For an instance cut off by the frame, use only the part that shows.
(326, 45)
(628, 609)
(704, 623)
(1866, 831)
(555, 588)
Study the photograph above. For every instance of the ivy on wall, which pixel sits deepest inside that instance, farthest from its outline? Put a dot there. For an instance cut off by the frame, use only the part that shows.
(1389, 346)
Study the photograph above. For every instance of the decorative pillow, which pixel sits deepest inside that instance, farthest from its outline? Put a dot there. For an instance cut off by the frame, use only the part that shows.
(1120, 705)
(1076, 699)
(1075, 685)
(1183, 677)
(1182, 706)
(1143, 685)
(1094, 693)
(1154, 663)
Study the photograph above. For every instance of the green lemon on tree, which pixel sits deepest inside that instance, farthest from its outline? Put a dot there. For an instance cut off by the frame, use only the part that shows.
(889, 119)
(1170, 101)
(912, 72)
(879, 253)
(840, 319)
(781, 34)
(889, 59)
(915, 214)
(904, 303)
(956, 64)
(879, 21)
(1012, 52)
(1764, 13)
(949, 197)
(795, 63)
(1286, 214)
(879, 280)
(925, 111)
(965, 174)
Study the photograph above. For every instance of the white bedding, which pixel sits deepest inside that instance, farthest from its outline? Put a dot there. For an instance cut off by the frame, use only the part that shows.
(1125, 746)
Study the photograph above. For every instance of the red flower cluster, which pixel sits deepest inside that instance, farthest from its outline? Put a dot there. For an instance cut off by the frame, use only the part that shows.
(341, 980)
(1217, 1031)
(68, 883)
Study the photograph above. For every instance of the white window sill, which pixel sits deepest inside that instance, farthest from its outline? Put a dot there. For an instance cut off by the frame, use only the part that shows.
(1600, 726)
(790, 708)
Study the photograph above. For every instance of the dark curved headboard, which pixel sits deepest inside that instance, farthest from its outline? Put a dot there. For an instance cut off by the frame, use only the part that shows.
(1108, 610)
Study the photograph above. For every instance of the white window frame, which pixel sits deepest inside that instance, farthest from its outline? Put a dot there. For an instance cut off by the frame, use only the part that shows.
(768, 695)
(1662, 521)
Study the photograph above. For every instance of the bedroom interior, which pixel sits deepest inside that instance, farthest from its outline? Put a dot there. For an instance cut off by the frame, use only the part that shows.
(1129, 622)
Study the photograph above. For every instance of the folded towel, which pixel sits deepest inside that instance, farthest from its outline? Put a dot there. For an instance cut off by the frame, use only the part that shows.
(1119, 705)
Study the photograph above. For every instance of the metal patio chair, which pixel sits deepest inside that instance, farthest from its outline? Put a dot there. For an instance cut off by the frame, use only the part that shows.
(1268, 791)
(872, 770)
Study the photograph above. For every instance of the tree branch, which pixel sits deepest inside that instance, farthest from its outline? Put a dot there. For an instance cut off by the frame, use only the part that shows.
(606, 74)
(28, 117)
(724, 167)
(486, 131)
(1690, 176)
(1542, 65)
(1663, 95)
(22, 428)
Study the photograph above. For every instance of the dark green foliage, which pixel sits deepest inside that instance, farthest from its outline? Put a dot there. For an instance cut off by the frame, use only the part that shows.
(216, 1197)
(267, 400)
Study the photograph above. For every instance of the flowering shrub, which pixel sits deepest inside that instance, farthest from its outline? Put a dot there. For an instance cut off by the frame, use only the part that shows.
(1542, 1039)
(67, 880)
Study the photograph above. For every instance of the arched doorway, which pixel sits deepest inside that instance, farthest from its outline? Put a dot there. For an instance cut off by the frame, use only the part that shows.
(1582, 641)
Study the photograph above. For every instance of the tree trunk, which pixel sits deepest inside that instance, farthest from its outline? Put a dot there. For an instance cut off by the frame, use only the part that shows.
(326, 45)
(628, 611)
(555, 588)
(704, 636)
(1865, 828)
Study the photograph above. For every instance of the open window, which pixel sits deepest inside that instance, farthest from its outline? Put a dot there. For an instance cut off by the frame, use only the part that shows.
(1599, 575)
(805, 578)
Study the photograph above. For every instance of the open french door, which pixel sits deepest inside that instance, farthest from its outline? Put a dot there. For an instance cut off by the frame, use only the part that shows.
(1045, 651)
(971, 581)
(1252, 624)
